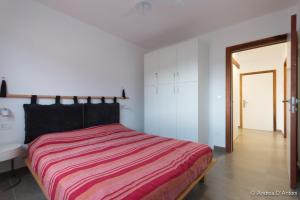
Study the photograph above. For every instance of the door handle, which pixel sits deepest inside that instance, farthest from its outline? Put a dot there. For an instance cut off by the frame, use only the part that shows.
(294, 103)
(245, 103)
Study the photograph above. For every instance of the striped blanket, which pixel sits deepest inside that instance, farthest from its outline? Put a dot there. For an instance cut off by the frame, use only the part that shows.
(114, 162)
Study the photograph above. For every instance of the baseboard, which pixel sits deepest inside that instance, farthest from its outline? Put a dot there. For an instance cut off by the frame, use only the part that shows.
(237, 137)
(218, 148)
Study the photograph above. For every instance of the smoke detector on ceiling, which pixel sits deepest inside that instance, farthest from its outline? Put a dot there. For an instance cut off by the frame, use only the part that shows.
(145, 6)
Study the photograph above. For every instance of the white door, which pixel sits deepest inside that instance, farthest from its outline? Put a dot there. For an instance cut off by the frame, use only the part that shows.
(151, 68)
(151, 112)
(258, 101)
(167, 108)
(167, 65)
(187, 111)
(187, 61)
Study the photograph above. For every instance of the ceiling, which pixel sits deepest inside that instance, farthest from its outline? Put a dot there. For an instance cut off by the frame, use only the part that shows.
(264, 56)
(166, 23)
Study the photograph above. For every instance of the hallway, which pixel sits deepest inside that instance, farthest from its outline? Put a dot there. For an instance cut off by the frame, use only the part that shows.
(258, 163)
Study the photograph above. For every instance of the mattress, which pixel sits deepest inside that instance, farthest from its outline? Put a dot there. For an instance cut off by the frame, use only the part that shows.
(115, 162)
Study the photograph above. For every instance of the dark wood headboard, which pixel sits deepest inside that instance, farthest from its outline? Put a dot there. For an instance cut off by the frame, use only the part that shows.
(44, 119)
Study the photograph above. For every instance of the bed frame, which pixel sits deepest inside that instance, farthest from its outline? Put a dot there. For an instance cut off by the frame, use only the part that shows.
(180, 197)
(197, 180)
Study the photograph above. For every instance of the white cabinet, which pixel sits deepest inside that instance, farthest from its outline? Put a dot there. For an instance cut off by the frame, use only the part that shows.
(172, 91)
(151, 111)
(187, 61)
(187, 111)
(167, 65)
(167, 110)
(151, 68)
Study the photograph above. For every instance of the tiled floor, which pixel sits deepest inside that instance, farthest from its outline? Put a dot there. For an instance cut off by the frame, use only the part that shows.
(26, 190)
(259, 163)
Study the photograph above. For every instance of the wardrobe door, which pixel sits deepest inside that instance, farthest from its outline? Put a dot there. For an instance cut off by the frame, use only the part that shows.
(167, 101)
(187, 61)
(151, 68)
(151, 110)
(187, 111)
(167, 65)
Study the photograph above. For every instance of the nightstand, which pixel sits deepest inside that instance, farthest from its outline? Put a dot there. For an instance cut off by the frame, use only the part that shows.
(10, 152)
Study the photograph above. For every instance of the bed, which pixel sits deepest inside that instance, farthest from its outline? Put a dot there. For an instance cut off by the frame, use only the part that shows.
(111, 161)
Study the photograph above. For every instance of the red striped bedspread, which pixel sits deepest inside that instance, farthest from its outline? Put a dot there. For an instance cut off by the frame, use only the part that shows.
(114, 162)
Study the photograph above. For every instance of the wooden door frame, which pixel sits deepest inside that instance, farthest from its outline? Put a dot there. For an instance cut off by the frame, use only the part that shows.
(284, 96)
(294, 93)
(229, 90)
(236, 63)
(274, 95)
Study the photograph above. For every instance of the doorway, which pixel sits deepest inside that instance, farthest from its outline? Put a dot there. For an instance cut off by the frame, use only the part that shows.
(292, 92)
(257, 88)
(233, 69)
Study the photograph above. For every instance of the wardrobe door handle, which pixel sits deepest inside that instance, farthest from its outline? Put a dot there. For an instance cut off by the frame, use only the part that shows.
(156, 77)
(174, 77)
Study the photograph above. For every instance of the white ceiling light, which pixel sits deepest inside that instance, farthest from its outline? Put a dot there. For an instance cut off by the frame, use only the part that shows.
(145, 6)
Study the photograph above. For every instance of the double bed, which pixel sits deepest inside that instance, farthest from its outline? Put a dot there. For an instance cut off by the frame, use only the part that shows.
(111, 161)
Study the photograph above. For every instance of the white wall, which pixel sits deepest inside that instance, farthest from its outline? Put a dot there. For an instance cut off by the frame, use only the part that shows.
(236, 101)
(258, 28)
(203, 99)
(45, 52)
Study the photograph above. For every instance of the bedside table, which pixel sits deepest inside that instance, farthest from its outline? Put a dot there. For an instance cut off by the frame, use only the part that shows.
(10, 152)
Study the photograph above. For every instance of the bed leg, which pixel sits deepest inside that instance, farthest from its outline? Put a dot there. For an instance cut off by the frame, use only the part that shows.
(202, 180)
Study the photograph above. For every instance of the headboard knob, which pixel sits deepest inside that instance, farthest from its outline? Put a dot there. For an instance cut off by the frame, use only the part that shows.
(33, 99)
(75, 99)
(89, 100)
(57, 100)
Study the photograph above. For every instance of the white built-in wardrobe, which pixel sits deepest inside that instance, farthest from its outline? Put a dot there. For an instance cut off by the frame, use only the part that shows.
(176, 91)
